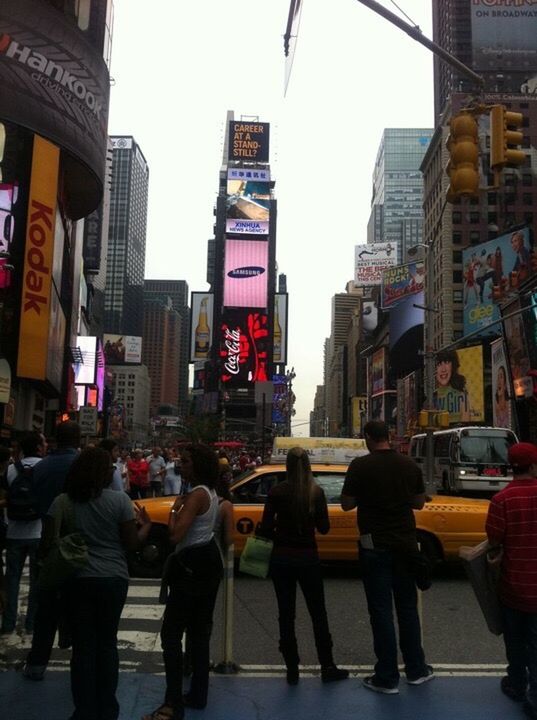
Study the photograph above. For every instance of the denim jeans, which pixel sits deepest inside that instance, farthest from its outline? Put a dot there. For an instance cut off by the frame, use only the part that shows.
(95, 605)
(16, 553)
(520, 638)
(387, 580)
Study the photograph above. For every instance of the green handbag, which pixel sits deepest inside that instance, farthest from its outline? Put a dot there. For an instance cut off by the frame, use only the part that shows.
(255, 558)
(69, 551)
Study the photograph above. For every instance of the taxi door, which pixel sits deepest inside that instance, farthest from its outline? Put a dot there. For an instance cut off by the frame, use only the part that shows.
(249, 497)
(341, 541)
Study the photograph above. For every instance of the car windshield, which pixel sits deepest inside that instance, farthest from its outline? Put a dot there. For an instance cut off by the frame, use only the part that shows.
(485, 449)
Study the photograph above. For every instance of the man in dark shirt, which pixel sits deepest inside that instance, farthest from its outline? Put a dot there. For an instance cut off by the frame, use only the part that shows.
(49, 478)
(386, 486)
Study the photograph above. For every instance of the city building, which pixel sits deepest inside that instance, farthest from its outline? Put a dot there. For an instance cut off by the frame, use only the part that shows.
(177, 291)
(131, 392)
(126, 238)
(161, 350)
(397, 201)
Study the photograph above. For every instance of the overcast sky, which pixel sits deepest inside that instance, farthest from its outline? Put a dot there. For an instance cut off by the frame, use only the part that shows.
(179, 66)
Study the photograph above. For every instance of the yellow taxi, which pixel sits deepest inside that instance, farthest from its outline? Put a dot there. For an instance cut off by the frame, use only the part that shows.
(444, 524)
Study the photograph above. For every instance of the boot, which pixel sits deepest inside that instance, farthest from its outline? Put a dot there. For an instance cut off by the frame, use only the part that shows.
(329, 670)
(289, 650)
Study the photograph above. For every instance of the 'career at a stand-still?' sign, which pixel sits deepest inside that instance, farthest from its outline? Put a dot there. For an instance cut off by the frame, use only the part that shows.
(249, 141)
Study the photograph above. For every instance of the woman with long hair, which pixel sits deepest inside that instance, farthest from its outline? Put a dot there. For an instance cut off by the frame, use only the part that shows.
(193, 575)
(96, 595)
(294, 510)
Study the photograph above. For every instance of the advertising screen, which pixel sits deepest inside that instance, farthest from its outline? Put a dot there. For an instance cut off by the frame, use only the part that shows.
(85, 372)
(503, 36)
(122, 349)
(248, 200)
(459, 384)
(371, 260)
(279, 350)
(400, 281)
(92, 240)
(378, 372)
(517, 349)
(243, 347)
(492, 272)
(501, 387)
(201, 328)
(101, 371)
(280, 400)
(359, 414)
(246, 273)
(249, 141)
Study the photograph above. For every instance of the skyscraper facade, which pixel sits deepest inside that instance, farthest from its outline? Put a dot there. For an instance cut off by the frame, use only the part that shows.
(177, 292)
(126, 238)
(160, 352)
(397, 202)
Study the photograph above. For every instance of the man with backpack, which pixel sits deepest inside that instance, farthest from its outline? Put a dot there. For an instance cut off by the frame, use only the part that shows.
(23, 529)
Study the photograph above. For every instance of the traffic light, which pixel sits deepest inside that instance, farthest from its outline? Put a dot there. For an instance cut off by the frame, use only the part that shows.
(505, 138)
(442, 419)
(463, 166)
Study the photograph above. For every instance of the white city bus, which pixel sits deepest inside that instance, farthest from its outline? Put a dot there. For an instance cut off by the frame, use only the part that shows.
(467, 458)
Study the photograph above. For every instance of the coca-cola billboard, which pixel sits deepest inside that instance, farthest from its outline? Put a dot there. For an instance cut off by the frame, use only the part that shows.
(244, 347)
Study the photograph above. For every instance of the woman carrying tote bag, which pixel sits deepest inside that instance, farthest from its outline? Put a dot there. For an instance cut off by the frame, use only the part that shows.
(294, 510)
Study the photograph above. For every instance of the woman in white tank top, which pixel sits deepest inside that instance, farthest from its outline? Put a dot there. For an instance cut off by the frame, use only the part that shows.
(193, 579)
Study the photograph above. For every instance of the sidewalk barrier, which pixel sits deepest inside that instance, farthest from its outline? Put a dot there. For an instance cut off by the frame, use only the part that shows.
(227, 666)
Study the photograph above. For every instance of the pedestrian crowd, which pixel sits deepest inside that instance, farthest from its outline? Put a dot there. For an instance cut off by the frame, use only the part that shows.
(74, 515)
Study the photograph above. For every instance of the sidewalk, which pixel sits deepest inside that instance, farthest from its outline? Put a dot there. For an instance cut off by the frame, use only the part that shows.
(270, 698)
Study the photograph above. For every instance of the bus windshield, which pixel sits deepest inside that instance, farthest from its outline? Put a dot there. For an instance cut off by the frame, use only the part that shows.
(485, 448)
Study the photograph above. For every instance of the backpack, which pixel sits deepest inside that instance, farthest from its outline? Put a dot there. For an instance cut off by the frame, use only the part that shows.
(21, 498)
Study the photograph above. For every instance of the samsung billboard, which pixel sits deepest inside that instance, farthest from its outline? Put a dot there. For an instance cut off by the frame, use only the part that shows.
(246, 273)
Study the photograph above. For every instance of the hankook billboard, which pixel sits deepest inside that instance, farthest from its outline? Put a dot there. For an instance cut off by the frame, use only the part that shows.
(246, 273)
(53, 81)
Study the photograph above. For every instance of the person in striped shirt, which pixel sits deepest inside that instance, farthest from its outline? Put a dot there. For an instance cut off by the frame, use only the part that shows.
(512, 523)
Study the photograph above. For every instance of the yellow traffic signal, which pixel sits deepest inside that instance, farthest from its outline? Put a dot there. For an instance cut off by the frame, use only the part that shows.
(423, 419)
(463, 166)
(442, 419)
(505, 138)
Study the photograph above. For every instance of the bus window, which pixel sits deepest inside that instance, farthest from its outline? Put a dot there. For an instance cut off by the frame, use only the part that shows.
(484, 449)
(441, 445)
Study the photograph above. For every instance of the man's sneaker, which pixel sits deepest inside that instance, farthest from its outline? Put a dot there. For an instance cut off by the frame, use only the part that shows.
(372, 683)
(516, 694)
(427, 675)
(34, 672)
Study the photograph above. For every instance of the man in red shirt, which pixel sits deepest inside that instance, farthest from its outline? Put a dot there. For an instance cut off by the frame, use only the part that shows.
(512, 523)
(138, 473)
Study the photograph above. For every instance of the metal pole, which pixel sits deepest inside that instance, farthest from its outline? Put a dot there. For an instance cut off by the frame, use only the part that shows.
(227, 666)
(263, 428)
(430, 367)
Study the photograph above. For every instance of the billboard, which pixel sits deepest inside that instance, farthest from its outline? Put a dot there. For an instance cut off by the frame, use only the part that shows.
(93, 227)
(38, 255)
(401, 281)
(280, 399)
(502, 411)
(359, 414)
(370, 318)
(459, 384)
(517, 349)
(492, 272)
(371, 260)
(248, 200)
(201, 327)
(53, 81)
(244, 347)
(503, 36)
(378, 371)
(248, 141)
(246, 273)
(85, 371)
(279, 349)
(122, 349)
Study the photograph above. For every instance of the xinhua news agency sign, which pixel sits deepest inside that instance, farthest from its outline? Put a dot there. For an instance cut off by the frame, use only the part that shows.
(249, 141)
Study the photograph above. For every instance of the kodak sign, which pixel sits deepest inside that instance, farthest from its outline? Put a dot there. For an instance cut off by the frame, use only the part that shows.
(38, 256)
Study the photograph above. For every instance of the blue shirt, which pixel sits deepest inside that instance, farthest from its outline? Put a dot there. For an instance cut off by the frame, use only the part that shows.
(49, 477)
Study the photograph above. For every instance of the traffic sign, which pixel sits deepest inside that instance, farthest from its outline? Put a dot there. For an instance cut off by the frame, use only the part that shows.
(87, 419)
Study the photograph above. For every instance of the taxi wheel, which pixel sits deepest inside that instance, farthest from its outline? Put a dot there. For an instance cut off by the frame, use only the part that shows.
(430, 549)
(148, 561)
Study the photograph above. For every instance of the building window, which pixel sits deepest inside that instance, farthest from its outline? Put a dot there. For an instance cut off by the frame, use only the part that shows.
(474, 217)
(456, 217)
(457, 276)
(456, 238)
(457, 256)
(475, 237)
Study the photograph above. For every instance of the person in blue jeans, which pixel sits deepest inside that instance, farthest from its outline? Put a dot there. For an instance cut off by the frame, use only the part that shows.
(22, 539)
(95, 597)
(386, 487)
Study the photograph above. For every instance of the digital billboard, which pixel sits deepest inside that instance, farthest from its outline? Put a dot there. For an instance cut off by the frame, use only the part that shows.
(85, 371)
(246, 273)
(122, 349)
(371, 260)
(248, 200)
(459, 384)
(201, 327)
(249, 141)
(400, 281)
(279, 349)
(502, 411)
(492, 272)
(503, 36)
(280, 399)
(244, 347)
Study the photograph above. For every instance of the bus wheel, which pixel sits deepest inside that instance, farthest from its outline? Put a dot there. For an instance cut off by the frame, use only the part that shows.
(430, 549)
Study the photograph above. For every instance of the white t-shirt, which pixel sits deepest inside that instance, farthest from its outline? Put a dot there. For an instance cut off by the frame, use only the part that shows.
(17, 530)
(156, 464)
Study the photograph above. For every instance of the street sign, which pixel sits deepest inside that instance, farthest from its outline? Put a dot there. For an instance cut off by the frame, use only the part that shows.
(87, 419)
